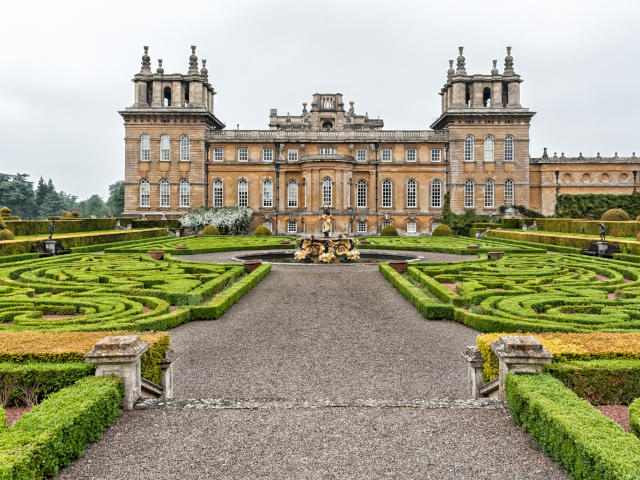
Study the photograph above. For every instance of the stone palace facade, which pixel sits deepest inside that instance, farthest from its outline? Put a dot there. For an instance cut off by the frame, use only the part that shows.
(179, 156)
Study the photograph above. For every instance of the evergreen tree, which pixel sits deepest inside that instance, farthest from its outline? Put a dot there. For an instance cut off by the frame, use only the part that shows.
(16, 192)
(52, 205)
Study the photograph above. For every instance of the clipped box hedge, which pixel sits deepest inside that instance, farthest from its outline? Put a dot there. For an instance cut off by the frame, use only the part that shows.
(634, 417)
(57, 431)
(572, 432)
(41, 227)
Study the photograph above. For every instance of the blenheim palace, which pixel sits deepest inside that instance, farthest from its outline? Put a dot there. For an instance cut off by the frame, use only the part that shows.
(179, 157)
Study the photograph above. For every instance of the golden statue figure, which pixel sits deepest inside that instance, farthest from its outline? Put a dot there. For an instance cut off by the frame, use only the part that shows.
(326, 220)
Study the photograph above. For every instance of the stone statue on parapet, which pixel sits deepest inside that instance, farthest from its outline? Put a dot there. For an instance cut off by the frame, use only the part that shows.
(603, 232)
(52, 227)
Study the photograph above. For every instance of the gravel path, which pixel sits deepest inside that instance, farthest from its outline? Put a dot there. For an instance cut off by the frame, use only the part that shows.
(320, 372)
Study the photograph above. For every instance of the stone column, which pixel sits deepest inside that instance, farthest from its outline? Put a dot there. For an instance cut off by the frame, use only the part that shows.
(166, 381)
(120, 356)
(518, 354)
(474, 369)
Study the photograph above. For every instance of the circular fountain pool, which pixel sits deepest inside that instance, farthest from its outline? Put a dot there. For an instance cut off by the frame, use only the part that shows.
(287, 257)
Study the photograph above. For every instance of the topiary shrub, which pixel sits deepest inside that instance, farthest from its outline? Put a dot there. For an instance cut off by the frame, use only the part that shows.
(615, 214)
(389, 231)
(262, 231)
(634, 416)
(5, 234)
(210, 230)
(5, 212)
(442, 231)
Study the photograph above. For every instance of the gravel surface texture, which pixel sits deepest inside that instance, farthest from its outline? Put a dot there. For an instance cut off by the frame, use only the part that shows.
(617, 413)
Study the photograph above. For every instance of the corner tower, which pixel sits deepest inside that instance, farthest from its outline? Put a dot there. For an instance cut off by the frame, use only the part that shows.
(488, 138)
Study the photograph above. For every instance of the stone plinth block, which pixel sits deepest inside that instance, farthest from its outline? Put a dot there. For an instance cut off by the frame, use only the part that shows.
(474, 369)
(120, 356)
(519, 354)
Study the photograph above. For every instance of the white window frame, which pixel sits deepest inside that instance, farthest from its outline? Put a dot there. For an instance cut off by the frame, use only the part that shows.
(509, 148)
(165, 148)
(362, 226)
(327, 151)
(185, 148)
(411, 155)
(361, 194)
(292, 155)
(489, 148)
(218, 154)
(412, 193)
(489, 193)
(436, 193)
(292, 227)
(292, 193)
(145, 148)
(509, 192)
(469, 193)
(386, 222)
(327, 192)
(185, 193)
(469, 148)
(387, 196)
(145, 193)
(361, 155)
(387, 155)
(267, 193)
(217, 193)
(268, 224)
(165, 193)
(436, 155)
(267, 155)
(243, 192)
(412, 226)
(243, 154)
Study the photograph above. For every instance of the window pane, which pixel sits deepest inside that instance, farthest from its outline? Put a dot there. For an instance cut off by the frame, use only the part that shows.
(411, 194)
(436, 194)
(293, 155)
(165, 148)
(469, 193)
(411, 155)
(488, 148)
(508, 192)
(243, 154)
(185, 193)
(327, 192)
(217, 155)
(292, 194)
(508, 148)
(488, 193)
(267, 193)
(145, 148)
(267, 154)
(469, 143)
(165, 193)
(436, 155)
(361, 155)
(387, 197)
(217, 193)
(386, 155)
(145, 193)
(243, 193)
(292, 227)
(362, 227)
(185, 148)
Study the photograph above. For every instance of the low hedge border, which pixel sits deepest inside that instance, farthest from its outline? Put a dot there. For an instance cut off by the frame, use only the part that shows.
(634, 416)
(41, 227)
(572, 432)
(57, 431)
(18, 258)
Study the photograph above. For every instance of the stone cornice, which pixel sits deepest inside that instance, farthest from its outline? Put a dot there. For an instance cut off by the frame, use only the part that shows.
(579, 160)
(278, 136)
(468, 113)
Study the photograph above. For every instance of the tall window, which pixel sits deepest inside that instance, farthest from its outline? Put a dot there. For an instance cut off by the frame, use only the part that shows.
(292, 227)
(267, 193)
(386, 155)
(165, 193)
(508, 192)
(218, 154)
(361, 155)
(488, 148)
(268, 224)
(243, 154)
(387, 193)
(145, 148)
(243, 193)
(412, 201)
(292, 155)
(292, 193)
(362, 226)
(386, 222)
(145, 193)
(361, 194)
(327, 192)
(436, 193)
(185, 148)
(327, 151)
(165, 148)
(508, 148)
(185, 193)
(412, 226)
(469, 143)
(217, 192)
(411, 155)
(436, 155)
(489, 193)
(267, 154)
(469, 194)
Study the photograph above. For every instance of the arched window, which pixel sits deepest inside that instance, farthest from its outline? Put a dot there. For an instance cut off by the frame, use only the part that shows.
(508, 148)
(436, 193)
(488, 148)
(185, 193)
(489, 194)
(469, 193)
(145, 193)
(292, 193)
(217, 193)
(486, 97)
(145, 148)
(509, 192)
(165, 148)
(327, 192)
(165, 193)
(267, 193)
(387, 193)
(185, 148)
(243, 193)
(412, 200)
(361, 194)
(469, 143)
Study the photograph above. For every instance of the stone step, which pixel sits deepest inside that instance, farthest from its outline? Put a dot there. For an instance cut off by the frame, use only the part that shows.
(489, 389)
(150, 390)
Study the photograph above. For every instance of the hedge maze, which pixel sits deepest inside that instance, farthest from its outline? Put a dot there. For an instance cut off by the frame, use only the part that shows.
(116, 292)
(456, 245)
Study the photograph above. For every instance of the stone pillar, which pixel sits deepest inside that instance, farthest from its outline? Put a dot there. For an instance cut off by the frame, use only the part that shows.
(518, 354)
(166, 381)
(120, 356)
(474, 369)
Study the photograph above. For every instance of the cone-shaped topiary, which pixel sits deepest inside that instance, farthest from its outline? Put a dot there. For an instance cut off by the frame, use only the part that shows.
(442, 231)
(5, 212)
(210, 230)
(262, 230)
(389, 231)
(615, 214)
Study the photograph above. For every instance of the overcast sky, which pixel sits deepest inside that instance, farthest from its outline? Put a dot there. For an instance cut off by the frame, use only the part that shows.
(67, 66)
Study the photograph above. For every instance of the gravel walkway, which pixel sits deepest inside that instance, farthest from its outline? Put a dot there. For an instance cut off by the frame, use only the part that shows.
(320, 372)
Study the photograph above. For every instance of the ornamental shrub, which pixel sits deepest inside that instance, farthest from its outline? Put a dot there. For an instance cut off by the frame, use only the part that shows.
(389, 231)
(228, 220)
(3, 418)
(210, 230)
(5, 212)
(615, 214)
(6, 234)
(634, 416)
(442, 231)
(261, 230)
(592, 206)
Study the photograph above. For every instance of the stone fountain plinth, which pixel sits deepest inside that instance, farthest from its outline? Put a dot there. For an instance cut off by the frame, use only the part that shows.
(314, 249)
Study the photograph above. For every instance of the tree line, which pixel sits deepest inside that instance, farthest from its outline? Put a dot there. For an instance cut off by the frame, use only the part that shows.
(17, 193)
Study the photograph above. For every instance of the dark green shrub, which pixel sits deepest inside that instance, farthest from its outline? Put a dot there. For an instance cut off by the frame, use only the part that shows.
(615, 214)
(389, 231)
(634, 417)
(261, 230)
(442, 231)
(210, 230)
(460, 224)
(592, 206)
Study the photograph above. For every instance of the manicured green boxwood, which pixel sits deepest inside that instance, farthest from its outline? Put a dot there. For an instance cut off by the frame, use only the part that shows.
(442, 231)
(572, 432)
(634, 416)
(56, 431)
(615, 215)
(389, 231)
(38, 227)
(3, 419)
(262, 230)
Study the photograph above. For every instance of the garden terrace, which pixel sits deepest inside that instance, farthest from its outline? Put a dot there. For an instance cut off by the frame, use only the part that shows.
(455, 245)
